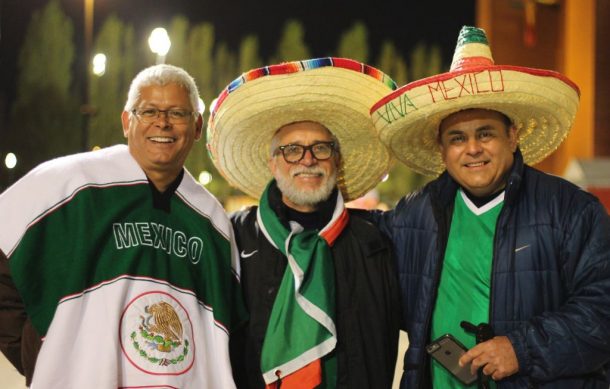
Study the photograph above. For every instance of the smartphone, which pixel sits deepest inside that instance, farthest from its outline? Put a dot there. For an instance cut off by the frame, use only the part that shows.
(447, 350)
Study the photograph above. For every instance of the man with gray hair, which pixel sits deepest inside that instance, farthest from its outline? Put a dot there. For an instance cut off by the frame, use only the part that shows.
(122, 272)
(318, 280)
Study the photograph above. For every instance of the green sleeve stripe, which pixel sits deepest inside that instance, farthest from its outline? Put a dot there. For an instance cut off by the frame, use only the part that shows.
(59, 204)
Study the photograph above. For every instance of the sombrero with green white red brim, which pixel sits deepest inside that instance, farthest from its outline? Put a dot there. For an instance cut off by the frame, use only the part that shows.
(542, 105)
(335, 92)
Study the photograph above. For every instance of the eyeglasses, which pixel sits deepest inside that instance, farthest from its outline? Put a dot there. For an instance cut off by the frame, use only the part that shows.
(174, 116)
(293, 153)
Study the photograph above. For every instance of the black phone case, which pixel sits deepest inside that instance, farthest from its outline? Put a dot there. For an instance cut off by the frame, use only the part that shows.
(447, 350)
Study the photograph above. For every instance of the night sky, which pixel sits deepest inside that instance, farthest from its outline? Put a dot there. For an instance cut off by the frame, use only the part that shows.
(404, 22)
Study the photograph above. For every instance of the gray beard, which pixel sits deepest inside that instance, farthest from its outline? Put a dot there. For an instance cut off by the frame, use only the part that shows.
(308, 197)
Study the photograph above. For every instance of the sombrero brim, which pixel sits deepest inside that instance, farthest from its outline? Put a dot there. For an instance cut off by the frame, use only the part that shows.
(542, 105)
(241, 128)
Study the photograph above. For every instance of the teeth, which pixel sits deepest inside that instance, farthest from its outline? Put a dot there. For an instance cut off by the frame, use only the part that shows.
(477, 164)
(162, 139)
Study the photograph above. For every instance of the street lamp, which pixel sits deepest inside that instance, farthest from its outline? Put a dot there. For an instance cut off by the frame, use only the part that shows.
(10, 161)
(159, 43)
(99, 64)
(205, 178)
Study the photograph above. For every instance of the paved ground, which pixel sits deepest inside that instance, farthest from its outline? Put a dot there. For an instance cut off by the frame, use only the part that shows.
(11, 379)
(403, 343)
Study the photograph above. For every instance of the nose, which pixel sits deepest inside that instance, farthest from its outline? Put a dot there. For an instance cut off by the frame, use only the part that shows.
(308, 159)
(473, 146)
(163, 117)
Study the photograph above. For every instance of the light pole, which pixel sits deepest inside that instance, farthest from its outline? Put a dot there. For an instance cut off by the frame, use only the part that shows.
(159, 43)
(88, 27)
(86, 109)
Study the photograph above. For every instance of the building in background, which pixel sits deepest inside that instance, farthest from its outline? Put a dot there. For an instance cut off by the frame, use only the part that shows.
(568, 36)
(593, 175)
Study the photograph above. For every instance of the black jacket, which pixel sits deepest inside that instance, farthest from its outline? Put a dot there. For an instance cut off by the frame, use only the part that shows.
(367, 315)
(550, 287)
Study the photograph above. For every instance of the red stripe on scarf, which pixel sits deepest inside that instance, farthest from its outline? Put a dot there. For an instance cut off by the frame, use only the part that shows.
(308, 377)
(331, 234)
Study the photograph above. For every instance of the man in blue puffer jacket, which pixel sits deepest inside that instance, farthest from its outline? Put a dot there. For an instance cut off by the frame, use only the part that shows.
(493, 243)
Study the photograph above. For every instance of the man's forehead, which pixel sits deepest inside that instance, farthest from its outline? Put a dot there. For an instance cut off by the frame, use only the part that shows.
(469, 115)
(304, 130)
(166, 91)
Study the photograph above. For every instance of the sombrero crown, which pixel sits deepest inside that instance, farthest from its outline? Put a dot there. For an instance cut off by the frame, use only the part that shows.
(335, 92)
(542, 105)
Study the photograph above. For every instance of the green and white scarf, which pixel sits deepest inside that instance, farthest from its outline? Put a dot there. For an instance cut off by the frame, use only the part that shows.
(301, 328)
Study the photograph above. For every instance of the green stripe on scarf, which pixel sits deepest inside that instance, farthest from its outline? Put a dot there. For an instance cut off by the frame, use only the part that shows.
(301, 328)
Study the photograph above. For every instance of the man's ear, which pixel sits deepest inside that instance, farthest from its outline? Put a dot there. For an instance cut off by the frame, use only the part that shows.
(513, 137)
(125, 120)
(439, 144)
(198, 127)
(338, 159)
(272, 165)
(441, 149)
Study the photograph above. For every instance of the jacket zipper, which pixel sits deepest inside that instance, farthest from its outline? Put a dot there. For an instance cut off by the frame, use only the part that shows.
(500, 222)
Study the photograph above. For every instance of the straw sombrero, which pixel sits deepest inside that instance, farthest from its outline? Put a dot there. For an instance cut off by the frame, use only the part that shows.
(336, 92)
(542, 105)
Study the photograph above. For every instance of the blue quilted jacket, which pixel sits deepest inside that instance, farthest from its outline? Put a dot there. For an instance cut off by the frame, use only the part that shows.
(550, 288)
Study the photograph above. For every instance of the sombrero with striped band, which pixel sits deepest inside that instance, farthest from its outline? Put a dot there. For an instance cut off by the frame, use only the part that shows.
(542, 105)
(335, 92)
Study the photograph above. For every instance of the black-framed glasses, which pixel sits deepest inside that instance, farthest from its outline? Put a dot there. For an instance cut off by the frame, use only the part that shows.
(293, 153)
(174, 116)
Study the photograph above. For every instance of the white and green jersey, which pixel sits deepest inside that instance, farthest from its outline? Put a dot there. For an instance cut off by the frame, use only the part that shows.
(125, 295)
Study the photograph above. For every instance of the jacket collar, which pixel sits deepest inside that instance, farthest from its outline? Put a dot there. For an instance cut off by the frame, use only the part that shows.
(515, 177)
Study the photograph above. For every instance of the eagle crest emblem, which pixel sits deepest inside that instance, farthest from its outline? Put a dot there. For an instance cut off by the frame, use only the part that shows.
(156, 334)
(162, 327)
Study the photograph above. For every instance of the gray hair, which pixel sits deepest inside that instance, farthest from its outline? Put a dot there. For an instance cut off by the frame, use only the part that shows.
(161, 75)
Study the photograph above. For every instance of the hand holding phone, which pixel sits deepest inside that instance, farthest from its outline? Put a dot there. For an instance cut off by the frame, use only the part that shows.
(447, 351)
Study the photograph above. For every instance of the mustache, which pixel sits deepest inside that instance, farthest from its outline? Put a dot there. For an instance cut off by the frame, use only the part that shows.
(307, 170)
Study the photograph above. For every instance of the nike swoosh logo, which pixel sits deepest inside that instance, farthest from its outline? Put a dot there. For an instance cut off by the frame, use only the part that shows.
(248, 255)
(521, 248)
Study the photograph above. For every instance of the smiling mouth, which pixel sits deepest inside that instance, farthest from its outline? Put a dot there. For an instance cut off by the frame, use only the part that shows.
(308, 175)
(162, 139)
(476, 164)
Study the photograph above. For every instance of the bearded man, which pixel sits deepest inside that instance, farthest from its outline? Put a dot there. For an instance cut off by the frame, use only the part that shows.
(318, 281)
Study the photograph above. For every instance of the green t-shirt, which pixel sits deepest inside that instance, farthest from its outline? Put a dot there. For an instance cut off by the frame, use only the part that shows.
(463, 292)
